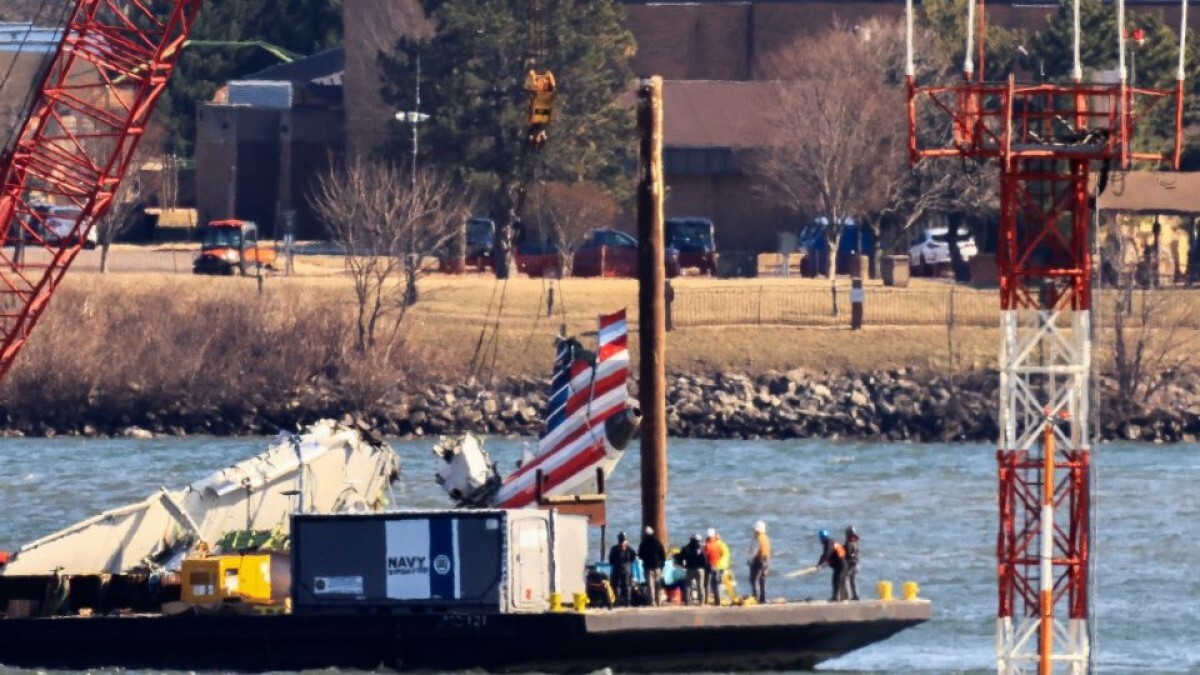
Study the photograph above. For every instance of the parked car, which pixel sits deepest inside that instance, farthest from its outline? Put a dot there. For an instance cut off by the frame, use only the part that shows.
(932, 247)
(695, 239)
(481, 237)
(538, 260)
(606, 252)
(856, 240)
(53, 224)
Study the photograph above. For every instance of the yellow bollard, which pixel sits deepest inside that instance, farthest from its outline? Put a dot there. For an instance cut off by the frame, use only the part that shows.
(910, 590)
(556, 602)
(581, 602)
(885, 590)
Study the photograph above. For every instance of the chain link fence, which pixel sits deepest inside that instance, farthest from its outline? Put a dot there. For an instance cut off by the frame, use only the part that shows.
(953, 306)
(789, 306)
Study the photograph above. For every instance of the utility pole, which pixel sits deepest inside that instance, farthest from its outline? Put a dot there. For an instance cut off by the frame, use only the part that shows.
(652, 275)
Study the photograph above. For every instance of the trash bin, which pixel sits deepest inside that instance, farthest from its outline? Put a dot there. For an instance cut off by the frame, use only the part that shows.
(894, 270)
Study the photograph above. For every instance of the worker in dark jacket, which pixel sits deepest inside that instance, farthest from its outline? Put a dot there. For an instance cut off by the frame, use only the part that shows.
(692, 559)
(621, 558)
(654, 557)
(833, 555)
(850, 592)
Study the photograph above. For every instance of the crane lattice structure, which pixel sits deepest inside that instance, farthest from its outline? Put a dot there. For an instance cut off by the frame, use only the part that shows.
(88, 111)
(1046, 138)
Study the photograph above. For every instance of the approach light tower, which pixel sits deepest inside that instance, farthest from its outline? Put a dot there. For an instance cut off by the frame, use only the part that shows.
(1046, 139)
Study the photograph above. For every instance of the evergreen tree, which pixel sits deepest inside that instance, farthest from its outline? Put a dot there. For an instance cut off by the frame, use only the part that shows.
(472, 72)
(1155, 56)
(1152, 56)
(299, 26)
(947, 20)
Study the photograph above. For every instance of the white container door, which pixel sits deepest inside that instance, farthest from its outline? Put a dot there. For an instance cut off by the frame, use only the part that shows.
(531, 563)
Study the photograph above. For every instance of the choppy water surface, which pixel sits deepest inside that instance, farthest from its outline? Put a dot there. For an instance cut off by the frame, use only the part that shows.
(926, 513)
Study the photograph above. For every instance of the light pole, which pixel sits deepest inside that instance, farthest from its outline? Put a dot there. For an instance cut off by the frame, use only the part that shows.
(414, 117)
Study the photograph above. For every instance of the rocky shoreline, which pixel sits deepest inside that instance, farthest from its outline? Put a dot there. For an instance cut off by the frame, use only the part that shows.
(900, 405)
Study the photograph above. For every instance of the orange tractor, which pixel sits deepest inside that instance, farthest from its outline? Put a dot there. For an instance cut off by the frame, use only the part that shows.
(227, 246)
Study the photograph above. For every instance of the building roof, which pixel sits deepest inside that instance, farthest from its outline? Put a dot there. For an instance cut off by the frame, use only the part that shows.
(717, 114)
(1162, 192)
(325, 67)
(25, 37)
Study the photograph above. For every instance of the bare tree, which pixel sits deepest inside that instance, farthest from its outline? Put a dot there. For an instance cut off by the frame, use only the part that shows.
(908, 195)
(839, 131)
(1149, 340)
(386, 222)
(567, 211)
(125, 204)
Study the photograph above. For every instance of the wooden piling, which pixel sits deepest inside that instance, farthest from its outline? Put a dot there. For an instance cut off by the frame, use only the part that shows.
(652, 274)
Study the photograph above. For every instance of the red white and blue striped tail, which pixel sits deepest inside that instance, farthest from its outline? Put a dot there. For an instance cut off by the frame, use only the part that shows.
(588, 419)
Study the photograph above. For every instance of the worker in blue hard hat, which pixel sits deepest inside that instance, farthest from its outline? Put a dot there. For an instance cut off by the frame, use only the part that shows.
(833, 555)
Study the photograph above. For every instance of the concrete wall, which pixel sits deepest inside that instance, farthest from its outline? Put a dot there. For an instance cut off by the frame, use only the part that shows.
(251, 139)
(745, 216)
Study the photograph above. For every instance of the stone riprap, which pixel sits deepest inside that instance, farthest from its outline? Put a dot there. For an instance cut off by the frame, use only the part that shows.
(897, 405)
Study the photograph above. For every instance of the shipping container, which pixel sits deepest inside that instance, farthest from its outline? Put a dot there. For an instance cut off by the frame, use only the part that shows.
(491, 561)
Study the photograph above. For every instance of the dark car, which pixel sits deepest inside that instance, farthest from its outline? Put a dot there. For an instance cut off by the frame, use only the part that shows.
(538, 260)
(606, 252)
(856, 240)
(695, 239)
(481, 236)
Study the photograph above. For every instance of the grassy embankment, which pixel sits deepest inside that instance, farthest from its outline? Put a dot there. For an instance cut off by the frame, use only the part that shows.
(125, 341)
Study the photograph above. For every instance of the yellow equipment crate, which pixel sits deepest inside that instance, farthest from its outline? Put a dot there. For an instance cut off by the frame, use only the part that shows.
(217, 578)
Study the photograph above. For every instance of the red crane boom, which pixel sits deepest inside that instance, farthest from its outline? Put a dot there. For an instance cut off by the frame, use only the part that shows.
(87, 115)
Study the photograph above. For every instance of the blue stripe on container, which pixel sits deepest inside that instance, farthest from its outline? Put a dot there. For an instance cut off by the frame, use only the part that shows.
(441, 558)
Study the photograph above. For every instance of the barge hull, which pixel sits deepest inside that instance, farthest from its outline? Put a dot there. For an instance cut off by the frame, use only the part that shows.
(789, 636)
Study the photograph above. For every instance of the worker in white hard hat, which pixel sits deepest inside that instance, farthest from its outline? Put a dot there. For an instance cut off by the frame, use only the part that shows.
(760, 561)
(654, 557)
(717, 554)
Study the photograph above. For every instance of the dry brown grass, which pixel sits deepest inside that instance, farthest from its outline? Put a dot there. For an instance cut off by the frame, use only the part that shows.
(209, 341)
(170, 332)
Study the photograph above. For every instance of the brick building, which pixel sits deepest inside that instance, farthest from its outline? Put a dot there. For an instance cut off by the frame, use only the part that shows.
(715, 56)
(261, 144)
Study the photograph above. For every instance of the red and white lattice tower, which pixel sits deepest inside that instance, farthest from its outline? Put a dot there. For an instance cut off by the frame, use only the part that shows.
(1046, 139)
(86, 115)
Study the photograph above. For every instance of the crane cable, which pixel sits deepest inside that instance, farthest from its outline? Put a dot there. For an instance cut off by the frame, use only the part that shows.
(540, 89)
(39, 74)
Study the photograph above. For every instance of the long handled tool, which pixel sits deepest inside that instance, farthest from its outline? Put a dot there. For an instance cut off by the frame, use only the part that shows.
(801, 572)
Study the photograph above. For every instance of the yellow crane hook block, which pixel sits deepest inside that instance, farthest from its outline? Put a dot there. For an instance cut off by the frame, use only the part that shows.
(541, 88)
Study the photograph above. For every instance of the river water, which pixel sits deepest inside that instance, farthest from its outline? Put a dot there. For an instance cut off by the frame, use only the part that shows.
(925, 513)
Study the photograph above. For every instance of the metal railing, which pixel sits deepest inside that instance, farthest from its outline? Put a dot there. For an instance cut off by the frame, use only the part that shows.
(953, 306)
